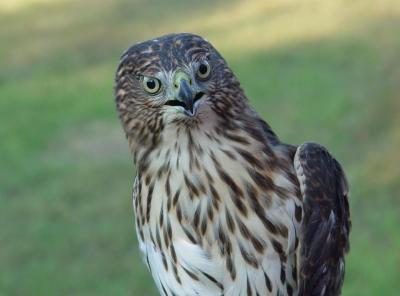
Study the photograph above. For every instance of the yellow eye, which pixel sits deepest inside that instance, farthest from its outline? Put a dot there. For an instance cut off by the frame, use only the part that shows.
(204, 70)
(151, 85)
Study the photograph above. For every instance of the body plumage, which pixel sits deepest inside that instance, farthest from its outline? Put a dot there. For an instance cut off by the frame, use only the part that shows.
(222, 206)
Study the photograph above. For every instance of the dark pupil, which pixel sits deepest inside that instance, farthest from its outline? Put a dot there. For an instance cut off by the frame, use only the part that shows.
(151, 84)
(203, 69)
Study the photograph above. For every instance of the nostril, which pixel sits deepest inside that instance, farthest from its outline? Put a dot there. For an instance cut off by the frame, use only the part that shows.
(176, 85)
(190, 81)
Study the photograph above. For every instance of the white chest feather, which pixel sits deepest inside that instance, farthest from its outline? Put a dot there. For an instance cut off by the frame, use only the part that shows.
(217, 219)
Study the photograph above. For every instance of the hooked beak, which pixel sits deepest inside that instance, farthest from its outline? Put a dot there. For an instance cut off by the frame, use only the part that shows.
(184, 93)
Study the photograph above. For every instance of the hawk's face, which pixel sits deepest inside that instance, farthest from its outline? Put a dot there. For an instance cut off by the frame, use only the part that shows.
(172, 80)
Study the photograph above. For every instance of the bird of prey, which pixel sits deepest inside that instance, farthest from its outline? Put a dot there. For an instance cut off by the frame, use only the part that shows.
(222, 206)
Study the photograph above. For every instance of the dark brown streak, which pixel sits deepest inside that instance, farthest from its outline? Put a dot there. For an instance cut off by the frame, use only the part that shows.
(149, 198)
(188, 234)
(235, 192)
(212, 279)
(249, 158)
(191, 274)
(192, 188)
(229, 221)
(249, 258)
(262, 181)
(176, 197)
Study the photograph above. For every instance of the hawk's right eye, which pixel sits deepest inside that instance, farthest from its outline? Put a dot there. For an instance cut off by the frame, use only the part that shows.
(204, 70)
(151, 85)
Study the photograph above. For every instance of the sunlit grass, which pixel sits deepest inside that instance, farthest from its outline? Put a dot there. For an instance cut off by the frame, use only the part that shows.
(12, 6)
(259, 25)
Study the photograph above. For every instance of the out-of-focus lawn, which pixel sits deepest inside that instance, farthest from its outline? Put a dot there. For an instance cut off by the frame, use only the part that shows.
(327, 71)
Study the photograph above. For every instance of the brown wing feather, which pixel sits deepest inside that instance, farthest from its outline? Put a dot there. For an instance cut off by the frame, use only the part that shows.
(326, 224)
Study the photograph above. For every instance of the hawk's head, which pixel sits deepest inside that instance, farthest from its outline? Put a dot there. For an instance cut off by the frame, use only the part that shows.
(174, 80)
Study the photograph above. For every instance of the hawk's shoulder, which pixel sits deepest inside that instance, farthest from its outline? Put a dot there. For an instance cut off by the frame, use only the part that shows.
(326, 224)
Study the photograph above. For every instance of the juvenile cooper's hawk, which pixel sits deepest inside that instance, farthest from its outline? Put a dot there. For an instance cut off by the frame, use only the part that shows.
(222, 206)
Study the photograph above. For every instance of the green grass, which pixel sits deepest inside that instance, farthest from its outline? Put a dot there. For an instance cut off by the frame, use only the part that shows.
(66, 221)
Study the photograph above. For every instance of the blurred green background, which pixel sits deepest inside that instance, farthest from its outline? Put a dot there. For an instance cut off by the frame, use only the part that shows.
(327, 71)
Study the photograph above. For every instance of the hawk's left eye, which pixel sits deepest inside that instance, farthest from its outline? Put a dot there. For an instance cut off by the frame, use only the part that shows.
(204, 70)
(151, 85)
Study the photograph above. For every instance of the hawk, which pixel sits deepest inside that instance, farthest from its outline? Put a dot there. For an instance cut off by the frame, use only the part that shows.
(222, 206)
